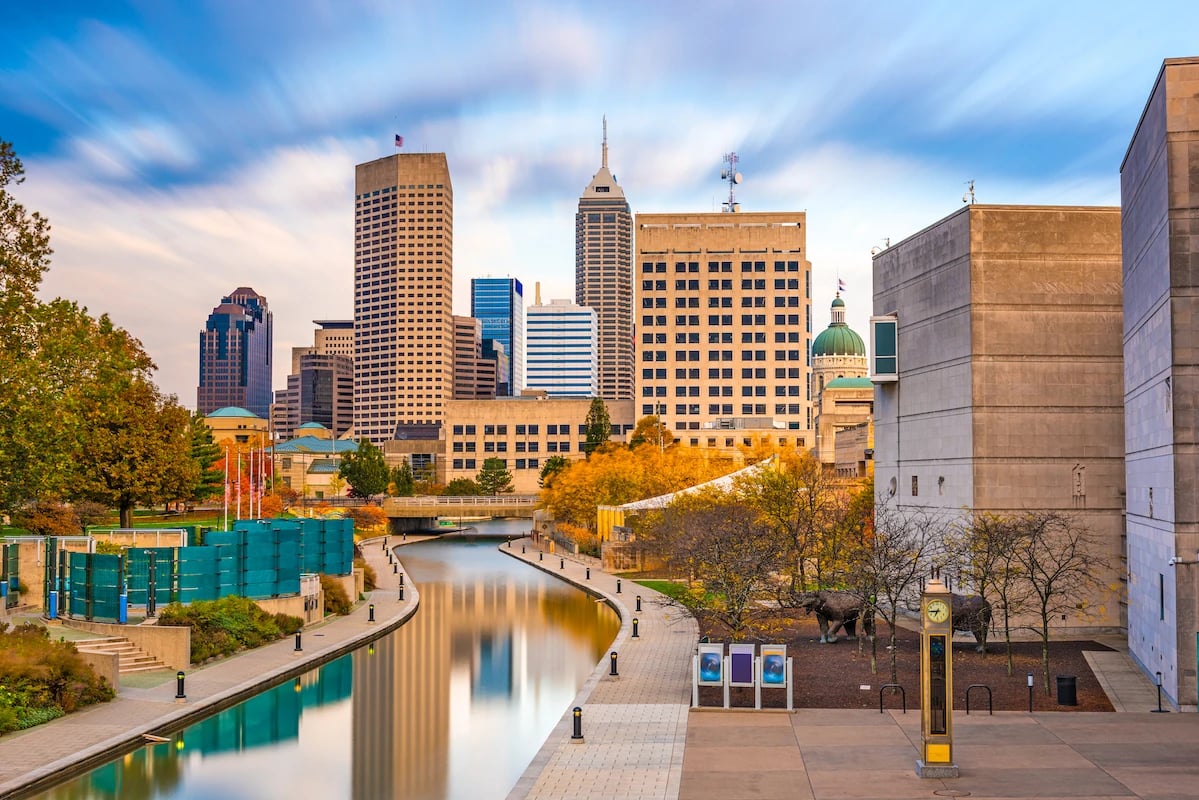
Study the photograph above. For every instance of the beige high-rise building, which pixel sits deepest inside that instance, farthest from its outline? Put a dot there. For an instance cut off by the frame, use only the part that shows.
(604, 276)
(724, 324)
(403, 280)
(474, 376)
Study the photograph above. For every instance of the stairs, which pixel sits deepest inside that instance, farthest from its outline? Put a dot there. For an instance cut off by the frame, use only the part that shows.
(131, 657)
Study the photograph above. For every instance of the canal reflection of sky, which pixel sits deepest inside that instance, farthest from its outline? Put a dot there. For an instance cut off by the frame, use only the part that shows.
(452, 705)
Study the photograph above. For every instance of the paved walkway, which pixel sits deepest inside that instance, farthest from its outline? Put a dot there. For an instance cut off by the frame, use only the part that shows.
(634, 725)
(32, 760)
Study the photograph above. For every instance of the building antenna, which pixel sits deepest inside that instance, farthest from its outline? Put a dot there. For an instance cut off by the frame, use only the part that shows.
(731, 175)
(604, 163)
(968, 197)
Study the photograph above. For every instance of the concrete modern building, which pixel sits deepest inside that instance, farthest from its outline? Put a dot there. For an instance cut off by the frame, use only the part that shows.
(523, 432)
(403, 282)
(604, 275)
(499, 306)
(1003, 391)
(562, 350)
(320, 386)
(235, 355)
(725, 323)
(844, 395)
(1159, 189)
(474, 375)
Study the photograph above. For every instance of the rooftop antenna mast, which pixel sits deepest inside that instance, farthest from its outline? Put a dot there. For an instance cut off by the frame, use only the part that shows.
(731, 175)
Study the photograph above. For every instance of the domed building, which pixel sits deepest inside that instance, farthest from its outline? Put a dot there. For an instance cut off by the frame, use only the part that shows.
(843, 395)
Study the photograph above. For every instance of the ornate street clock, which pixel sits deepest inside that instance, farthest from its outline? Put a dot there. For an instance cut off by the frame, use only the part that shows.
(936, 683)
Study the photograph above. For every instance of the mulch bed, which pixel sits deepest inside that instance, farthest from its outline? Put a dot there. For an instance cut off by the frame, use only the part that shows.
(837, 676)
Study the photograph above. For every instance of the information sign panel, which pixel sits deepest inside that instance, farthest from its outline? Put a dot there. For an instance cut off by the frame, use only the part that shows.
(711, 664)
(741, 665)
(774, 665)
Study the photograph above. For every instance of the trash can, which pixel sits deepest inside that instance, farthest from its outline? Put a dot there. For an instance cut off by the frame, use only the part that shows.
(1067, 690)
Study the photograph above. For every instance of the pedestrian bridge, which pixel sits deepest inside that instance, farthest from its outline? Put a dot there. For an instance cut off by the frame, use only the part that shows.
(424, 513)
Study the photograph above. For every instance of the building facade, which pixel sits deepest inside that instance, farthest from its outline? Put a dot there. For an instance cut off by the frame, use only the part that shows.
(725, 323)
(403, 282)
(562, 350)
(499, 306)
(1006, 397)
(843, 394)
(604, 276)
(1160, 226)
(235, 355)
(474, 375)
(320, 386)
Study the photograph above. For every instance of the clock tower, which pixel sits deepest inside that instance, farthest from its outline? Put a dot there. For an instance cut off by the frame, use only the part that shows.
(936, 683)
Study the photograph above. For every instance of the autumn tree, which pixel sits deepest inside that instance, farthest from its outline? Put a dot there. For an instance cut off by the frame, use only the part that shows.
(598, 424)
(984, 554)
(48, 518)
(365, 471)
(651, 431)
(494, 478)
(551, 467)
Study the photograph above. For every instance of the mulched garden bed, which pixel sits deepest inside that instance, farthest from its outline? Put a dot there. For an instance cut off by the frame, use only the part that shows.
(837, 676)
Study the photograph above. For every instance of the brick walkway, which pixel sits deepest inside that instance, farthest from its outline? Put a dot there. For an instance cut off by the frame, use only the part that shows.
(34, 759)
(634, 725)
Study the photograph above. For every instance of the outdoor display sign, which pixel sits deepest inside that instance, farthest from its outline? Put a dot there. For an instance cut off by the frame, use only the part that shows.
(741, 665)
(711, 664)
(774, 665)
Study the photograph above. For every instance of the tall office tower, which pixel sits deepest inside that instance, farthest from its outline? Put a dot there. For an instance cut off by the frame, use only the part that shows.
(235, 355)
(604, 276)
(403, 281)
(474, 375)
(499, 305)
(320, 386)
(562, 345)
(726, 319)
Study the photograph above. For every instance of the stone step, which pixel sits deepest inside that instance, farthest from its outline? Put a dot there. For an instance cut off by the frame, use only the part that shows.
(130, 657)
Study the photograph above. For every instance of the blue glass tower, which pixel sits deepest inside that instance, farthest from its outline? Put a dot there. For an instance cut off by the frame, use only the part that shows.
(235, 355)
(498, 304)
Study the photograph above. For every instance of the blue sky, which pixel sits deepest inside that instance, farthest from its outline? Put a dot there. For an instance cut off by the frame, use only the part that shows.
(184, 149)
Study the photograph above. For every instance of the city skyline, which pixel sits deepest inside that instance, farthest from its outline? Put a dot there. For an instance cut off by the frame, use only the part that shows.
(173, 170)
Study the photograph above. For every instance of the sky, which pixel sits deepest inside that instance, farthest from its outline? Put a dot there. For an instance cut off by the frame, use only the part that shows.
(181, 150)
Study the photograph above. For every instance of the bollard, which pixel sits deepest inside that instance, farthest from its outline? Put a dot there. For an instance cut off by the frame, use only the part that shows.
(384, 545)
(1030, 693)
(541, 556)
(589, 573)
(395, 568)
(522, 549)
(562, 563)
(635, 621)
(372, 610)
(638, 602)
(401, 579)
(298, 648)
(1159, 709)
(401, 591)
(618, 585)
(578, 731)
(179, 694)
(509, 544)
(612, 671)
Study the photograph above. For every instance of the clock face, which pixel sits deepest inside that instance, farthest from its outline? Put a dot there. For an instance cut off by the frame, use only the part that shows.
(937, 610)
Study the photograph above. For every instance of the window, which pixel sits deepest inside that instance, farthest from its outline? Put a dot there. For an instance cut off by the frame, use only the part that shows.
(915, 486)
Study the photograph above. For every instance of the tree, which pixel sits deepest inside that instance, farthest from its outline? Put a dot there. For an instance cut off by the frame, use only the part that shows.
(365, 471)
(984, 552)
(206, 455)
(598, 424)
(1058, 559)
(403, 484)
(652, 431)
(24, 248)
(494, 478)
(552, 466)
(463, 487)
(49, 518)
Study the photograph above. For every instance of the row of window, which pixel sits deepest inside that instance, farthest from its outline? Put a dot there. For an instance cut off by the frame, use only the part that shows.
(714, 284)
(724, 355)
(725, 409)
(792, 390)
(520, 447)
(520, 463)
(650, 267)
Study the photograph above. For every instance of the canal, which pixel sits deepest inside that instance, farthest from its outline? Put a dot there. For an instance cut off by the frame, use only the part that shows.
(453, 704)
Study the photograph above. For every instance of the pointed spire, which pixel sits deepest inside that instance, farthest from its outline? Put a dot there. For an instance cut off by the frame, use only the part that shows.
(605, 149)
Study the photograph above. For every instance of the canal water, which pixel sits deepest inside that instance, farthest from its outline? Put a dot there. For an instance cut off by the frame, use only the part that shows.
(454, 704)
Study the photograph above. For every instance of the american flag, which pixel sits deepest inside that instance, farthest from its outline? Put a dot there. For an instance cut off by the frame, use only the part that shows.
(840, 285)
(399, 140)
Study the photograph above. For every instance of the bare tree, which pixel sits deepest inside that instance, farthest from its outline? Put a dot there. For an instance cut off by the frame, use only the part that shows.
(886, 569)
(1058, 560)
(983, 553)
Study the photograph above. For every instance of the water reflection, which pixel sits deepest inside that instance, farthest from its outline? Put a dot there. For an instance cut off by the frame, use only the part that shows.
(452, 705)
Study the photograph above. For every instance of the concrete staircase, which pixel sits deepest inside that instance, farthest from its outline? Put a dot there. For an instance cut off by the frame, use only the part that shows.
(131, 657)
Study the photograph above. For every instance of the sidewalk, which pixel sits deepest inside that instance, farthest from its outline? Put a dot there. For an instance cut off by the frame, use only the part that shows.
(634, 725)
(36, 759)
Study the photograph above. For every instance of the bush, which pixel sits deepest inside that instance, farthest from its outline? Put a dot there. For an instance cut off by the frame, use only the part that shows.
(370, 579)
(336, 599)
(222, 627)
(42, 679)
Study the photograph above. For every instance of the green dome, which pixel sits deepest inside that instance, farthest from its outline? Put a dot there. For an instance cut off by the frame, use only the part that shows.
(838, 340)
(233, 411)
(838, 302)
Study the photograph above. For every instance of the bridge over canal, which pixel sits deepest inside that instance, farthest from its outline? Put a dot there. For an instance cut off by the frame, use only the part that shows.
(425, 513)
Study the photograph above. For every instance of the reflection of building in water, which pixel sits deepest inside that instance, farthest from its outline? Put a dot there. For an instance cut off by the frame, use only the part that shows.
(508, 638)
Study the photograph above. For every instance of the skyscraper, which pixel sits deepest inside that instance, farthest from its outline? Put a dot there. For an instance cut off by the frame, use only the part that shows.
(604, 275)
(320, 386)
(403, 278)
(474, 375)
(499, 306)
(562, 350)
(235, 355)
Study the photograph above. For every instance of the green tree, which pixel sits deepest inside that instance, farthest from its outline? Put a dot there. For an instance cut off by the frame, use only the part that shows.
(552, 466)
(402, 481)
(463, 487)
(365, 471)
(599, 426)
(206, 454)
(494, 478)
(24, 248)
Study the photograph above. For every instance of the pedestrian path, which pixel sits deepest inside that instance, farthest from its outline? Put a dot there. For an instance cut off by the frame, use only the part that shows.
(634, 725)
(38, 758)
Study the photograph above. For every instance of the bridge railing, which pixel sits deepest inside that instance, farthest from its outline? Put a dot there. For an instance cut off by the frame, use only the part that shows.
(489, 500)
